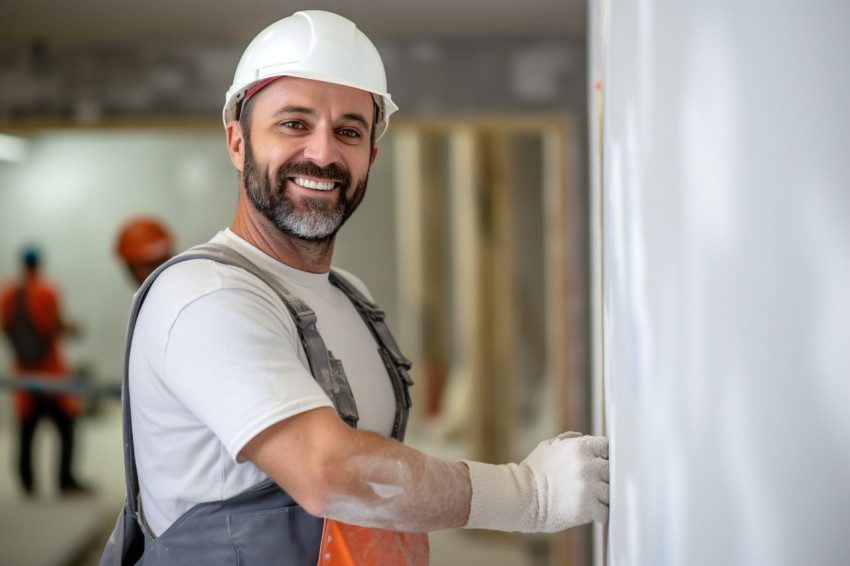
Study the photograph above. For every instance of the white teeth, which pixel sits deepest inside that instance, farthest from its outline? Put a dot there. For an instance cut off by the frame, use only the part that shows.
(315, 185)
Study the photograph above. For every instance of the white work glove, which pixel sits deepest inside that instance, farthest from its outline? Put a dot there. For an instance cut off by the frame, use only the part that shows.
(562, 483)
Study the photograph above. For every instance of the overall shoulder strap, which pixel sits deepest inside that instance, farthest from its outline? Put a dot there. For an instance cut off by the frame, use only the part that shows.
(398, 366)
(325, 369)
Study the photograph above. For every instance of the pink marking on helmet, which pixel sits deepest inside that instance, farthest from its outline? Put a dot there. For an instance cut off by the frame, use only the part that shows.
(253, 90)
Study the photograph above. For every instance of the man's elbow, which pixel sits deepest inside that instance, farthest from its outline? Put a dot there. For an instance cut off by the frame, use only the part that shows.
(324, 493)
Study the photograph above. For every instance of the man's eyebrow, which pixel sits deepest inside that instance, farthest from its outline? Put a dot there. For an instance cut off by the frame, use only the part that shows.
(294, 110)
(359, 118)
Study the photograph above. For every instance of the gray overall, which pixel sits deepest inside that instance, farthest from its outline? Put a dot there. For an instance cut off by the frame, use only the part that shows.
(264, 525)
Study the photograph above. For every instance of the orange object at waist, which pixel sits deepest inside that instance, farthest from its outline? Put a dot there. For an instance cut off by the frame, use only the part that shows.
(350, 545)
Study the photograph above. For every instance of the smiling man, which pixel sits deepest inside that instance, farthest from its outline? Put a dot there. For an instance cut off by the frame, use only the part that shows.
(269, 400)
(304, 148)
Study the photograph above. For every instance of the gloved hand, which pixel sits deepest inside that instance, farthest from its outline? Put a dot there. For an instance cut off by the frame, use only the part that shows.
(562, 483)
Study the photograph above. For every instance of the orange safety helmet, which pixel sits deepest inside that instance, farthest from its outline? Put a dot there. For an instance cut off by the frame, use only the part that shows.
(143, 240)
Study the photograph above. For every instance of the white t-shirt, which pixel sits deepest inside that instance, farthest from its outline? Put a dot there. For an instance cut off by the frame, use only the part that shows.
(216, 359)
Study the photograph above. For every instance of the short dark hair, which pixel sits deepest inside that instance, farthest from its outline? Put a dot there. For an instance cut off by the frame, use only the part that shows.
(30, 257)
(243, 114)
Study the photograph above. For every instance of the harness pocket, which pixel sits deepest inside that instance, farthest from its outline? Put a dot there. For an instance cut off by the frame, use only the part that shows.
(276, 537)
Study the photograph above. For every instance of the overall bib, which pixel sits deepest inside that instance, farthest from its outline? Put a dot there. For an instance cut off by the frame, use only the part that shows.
(264, 526)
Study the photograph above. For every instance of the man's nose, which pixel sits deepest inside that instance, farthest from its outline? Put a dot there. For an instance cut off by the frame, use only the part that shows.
(321, 148)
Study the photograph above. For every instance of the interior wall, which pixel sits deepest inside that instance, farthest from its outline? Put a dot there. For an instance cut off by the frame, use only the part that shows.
(726, 310)
(70, 196)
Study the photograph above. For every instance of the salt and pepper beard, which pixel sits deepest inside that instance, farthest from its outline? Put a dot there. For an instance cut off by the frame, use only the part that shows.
(319, 219)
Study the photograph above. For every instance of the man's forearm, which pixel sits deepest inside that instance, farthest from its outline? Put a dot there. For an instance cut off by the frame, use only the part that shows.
(397, 487)
(359, 477)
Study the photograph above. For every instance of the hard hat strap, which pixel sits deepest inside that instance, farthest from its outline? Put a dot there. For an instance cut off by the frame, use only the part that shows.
(253, 90)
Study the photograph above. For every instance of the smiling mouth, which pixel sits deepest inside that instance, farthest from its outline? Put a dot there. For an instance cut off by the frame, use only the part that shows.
(314, 184)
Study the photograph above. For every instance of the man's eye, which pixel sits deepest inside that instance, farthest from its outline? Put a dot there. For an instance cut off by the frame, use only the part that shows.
(293, 124)
(349, 133)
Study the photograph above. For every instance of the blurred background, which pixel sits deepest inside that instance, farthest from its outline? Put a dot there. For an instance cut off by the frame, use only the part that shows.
(473, 236)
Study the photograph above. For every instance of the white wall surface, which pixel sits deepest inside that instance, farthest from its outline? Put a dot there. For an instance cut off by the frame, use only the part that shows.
(76, 187)
(726, 248)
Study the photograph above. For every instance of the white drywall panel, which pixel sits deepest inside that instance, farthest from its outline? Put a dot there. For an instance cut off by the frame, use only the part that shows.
(726, 281)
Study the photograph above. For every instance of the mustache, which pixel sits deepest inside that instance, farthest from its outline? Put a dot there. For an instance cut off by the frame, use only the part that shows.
(331, 172)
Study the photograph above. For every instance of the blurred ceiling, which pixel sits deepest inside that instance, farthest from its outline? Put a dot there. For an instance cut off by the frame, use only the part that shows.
(111, 20)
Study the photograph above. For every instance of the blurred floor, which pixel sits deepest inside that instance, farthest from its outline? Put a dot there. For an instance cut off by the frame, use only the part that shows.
(53, 531)
(49, 530)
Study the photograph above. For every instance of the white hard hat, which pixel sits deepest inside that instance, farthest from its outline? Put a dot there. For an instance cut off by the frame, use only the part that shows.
(318, 45)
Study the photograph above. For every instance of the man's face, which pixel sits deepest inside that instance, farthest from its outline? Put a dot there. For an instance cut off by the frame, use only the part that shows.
(307, 155)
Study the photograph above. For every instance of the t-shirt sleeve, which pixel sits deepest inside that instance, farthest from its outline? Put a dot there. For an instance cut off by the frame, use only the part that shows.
(236, 362)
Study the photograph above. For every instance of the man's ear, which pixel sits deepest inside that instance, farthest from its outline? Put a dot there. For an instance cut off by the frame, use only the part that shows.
(374, 155)
(236, 144)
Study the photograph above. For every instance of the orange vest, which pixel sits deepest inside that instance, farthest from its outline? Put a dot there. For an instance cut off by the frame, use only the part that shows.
(41, 305)
(350, 545)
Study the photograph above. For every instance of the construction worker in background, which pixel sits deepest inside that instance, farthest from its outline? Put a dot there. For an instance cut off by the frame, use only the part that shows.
(252, 444)
(33, 324)
(143, 245)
